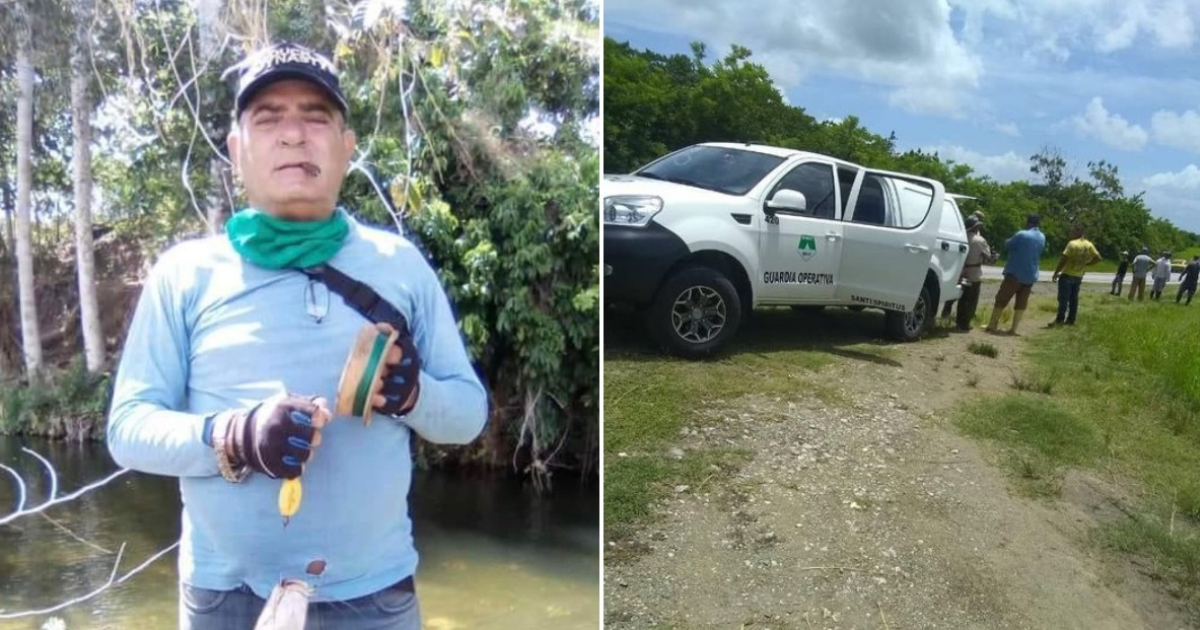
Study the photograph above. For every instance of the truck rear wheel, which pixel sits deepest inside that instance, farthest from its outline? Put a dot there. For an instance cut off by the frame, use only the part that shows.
(913, 325)
(695, 312)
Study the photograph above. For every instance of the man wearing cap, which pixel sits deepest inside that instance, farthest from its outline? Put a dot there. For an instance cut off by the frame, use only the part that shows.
(975, 218)
(979, 253)
(1119, 277)
(234, 352)
(1079, 254)
(1020, 272)
(1142, 263)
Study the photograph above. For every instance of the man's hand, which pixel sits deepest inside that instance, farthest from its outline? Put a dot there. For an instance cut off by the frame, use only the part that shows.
(277, 436)
(401, 379)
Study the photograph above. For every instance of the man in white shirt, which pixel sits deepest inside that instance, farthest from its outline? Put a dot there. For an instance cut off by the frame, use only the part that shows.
(1162, 273)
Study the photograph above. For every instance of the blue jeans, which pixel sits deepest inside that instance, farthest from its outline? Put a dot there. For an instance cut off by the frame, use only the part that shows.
(393, 608)
(1068, 298)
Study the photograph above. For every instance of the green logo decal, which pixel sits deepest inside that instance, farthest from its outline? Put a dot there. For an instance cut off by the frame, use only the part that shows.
(807, 246)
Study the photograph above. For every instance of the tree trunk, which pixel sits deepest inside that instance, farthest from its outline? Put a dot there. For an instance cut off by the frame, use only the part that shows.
(85, 257)
(216, 201)
(8, 214)
(31, 338)
(7, 369)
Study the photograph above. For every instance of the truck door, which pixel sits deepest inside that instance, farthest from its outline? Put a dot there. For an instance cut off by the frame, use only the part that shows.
(800, 245)
(889, 236)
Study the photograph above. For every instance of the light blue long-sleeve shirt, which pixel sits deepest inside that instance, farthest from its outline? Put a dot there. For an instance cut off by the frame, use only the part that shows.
(211, 332)
(1024, 251)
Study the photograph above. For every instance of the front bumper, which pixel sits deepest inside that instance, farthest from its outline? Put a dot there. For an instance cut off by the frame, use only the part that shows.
(636, 260)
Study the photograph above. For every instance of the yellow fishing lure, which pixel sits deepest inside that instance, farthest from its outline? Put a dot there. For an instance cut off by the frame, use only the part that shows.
(289, 499)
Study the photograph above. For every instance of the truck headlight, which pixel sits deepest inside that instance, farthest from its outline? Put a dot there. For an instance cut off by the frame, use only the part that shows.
(632, 210)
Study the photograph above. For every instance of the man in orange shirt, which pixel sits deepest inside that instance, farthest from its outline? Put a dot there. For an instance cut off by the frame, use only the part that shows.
(1079, 253)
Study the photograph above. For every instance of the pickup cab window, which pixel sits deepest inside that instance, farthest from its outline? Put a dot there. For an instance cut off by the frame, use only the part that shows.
(815, 180)
(725, 170)
(891, 202)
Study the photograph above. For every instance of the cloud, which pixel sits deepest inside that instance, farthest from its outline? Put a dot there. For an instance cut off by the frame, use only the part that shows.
(1181, 131)
(1009, 129)
(1054, 29)
(1005, 167)
(1172, 195)
(1109, 128)
(909, 46)
(1186, 179)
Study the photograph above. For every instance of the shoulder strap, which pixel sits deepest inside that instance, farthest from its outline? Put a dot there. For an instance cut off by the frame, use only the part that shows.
(359, 296)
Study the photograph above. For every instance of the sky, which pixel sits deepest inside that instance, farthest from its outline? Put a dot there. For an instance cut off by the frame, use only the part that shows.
(983, 82)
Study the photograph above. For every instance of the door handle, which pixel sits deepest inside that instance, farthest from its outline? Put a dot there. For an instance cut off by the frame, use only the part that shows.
(833, 236)
(916, 248)
(945, 246)
(962, 248)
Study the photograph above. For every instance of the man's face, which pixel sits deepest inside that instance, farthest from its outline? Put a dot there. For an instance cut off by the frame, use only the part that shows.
(291, 149)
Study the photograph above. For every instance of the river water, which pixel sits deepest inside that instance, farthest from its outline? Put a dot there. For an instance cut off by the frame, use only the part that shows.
(494, 554)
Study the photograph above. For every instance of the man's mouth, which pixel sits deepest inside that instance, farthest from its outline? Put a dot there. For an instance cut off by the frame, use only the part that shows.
(310, 169)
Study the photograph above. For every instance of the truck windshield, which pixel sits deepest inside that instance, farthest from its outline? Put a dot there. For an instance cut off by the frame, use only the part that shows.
(730, 171)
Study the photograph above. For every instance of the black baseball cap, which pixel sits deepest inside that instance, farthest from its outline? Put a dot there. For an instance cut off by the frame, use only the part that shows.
(285, 60)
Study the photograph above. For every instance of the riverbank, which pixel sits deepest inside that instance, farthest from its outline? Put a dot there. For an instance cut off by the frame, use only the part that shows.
(68, 405)
(71, 406)
(495, 552)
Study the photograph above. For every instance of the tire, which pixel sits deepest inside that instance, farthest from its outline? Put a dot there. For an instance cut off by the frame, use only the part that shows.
(672, 323)
(912, 326)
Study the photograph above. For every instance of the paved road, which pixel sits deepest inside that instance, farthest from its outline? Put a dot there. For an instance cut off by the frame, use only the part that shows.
(997, 273)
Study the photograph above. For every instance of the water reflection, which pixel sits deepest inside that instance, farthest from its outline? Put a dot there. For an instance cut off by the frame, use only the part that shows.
(494, 554)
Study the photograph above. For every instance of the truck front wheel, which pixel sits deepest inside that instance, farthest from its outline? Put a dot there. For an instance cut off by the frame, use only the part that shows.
(912, 326)
(695, 312)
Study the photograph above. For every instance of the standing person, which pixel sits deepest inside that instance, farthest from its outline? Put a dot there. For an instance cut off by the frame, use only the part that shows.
(1141, 266)
(1161, 275)
(975, 218)
(1020, 272)
(1188, 279)
(979, 253)
(1079, 254)
(226, 376)
(1119, 277)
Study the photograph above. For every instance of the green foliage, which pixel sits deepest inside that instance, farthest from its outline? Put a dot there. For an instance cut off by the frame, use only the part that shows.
(656, 103)
(440, 97)
(71, 402)
(507, 217)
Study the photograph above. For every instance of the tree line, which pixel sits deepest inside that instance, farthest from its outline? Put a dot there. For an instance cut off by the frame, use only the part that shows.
(656, 103)
(472, 123)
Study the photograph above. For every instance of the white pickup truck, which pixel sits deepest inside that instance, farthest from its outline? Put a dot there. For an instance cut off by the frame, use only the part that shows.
(699, 237)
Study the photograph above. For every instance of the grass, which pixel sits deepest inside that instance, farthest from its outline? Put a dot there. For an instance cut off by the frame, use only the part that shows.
(1038, 385)
(1119, 394)
(983, 349)
(650, 398)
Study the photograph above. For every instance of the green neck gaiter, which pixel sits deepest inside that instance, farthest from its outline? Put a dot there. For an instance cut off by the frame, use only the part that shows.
(276, 243)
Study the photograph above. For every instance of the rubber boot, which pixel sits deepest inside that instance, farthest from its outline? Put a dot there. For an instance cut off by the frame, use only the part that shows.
(1017, 314)
(994, 322)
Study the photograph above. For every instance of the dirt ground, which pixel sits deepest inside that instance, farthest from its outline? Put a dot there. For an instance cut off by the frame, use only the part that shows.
(876, 513)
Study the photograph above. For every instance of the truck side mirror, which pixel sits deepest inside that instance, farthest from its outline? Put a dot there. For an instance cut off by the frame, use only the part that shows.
(787, 199)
